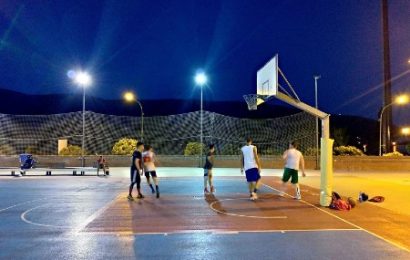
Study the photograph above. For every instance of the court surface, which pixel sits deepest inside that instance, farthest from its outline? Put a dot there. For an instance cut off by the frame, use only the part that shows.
(89, 217)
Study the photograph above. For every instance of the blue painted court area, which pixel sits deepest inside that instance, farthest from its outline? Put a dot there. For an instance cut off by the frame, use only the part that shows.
(45, 217)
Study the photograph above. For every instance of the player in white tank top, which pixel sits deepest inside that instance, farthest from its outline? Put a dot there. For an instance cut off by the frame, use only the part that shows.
(293, 159)
(249, 157)
(251, 164)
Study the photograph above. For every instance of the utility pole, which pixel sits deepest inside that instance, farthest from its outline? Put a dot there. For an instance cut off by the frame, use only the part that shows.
(316, 77)
(387, 119)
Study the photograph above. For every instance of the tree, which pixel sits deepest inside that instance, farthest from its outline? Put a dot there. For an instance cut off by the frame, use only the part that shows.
(71, 150)
(193, 148)
(348, 150)
(7, 149)
(124, 146)
(340, 136)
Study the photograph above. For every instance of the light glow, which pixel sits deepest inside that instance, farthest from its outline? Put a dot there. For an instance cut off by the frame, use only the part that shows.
(402, 99)
(405, 130)
(82, 78)
(129, 96)
(200, 79)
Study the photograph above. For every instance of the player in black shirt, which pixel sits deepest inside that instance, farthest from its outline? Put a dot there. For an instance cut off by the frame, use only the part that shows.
(209, 164)
(136, 171)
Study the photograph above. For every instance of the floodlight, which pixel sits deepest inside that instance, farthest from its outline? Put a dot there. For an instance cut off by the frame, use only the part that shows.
(82, 78)
(200, 79)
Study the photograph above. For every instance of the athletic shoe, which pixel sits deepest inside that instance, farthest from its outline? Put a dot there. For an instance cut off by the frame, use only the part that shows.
(157, 195)
(130, 197)
(140, 196)
(206, 190)
(255, 196)
(251, 197)
(298, 197)
(212, 189)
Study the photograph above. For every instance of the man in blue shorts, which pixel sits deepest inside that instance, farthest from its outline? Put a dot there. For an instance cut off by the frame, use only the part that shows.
(251, 164)
(136, 171)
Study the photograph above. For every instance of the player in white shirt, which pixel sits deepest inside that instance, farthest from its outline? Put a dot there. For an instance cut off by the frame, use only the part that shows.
(293, 159)
(148, 157)
(251, 164)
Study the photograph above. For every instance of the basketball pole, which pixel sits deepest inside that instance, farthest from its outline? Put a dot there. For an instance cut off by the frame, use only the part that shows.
(326, 147)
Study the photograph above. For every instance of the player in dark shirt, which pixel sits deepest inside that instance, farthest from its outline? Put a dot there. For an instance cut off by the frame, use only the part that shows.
(136, 171)
(209, 164)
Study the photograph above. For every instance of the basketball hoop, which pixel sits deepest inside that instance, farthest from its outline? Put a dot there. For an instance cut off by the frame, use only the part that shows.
(253, 100)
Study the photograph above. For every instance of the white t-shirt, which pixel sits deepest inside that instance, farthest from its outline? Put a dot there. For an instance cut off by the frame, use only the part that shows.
(293, 159)
(149, 159)
(249, 161)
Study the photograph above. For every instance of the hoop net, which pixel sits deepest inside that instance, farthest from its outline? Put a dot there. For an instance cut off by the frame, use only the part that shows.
(253, 100)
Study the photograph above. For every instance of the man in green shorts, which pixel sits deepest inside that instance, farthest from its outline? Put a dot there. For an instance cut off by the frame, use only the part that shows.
(293, 159)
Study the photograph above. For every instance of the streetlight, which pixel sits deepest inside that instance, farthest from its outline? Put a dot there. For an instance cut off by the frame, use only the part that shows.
(405, 131)
(200, 80)
(130, 97)
(316, 77)
(400, 100)
(84, 80)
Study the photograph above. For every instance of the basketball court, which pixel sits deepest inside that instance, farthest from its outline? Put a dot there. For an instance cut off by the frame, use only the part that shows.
(89, 217)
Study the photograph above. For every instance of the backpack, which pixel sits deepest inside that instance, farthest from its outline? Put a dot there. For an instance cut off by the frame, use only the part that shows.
(340, 205)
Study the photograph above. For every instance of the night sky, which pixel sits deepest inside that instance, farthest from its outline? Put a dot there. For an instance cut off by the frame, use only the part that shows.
(156, 47)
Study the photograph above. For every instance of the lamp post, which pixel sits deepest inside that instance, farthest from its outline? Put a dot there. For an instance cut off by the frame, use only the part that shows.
(316, 77)
(200, 80)
(130, 97)
(399, 100)
(84, 80)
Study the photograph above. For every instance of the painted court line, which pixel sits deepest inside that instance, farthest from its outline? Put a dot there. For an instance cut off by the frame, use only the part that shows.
(219, 232)
(19, 204)
(348, 222)
(96, 214)
(23, 217)
(241, 215)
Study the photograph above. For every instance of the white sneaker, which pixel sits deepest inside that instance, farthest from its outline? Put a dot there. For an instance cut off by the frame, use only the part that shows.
(251, 197)
(298, 197)
(254, 196)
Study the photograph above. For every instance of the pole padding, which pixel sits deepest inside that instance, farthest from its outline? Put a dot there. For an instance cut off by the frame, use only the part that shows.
(326, 171)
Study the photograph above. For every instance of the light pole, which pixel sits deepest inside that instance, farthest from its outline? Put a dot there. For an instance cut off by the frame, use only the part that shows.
(316, 77)
(130, 97)
(399, 100)
(84, 80)
(200, 80)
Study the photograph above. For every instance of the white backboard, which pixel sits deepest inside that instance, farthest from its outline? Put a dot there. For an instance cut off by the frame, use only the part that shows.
(267, 78)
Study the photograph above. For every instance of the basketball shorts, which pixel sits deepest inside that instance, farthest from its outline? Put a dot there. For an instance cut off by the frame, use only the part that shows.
(252, 175)
(290, 174)
(152, 173)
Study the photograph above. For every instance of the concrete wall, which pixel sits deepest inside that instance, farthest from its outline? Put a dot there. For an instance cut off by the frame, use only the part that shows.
(345, 163)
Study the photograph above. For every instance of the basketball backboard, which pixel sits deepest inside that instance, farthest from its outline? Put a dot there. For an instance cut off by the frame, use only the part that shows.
(267, 78)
